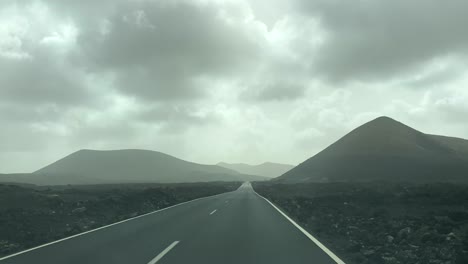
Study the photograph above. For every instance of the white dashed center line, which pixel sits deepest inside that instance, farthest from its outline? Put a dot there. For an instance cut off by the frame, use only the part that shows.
(164, 252)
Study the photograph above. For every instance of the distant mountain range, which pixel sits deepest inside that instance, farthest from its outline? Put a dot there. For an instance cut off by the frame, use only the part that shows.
(380, 150)
(125, 166)
(386, 150)
(267, 169)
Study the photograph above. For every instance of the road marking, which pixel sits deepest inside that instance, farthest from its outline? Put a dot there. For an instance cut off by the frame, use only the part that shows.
(106, 226)
(214, 211)
(320, 245)
(164, 252)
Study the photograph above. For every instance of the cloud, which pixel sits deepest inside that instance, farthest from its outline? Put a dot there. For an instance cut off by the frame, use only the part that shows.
(33, 70)
(177, 118)
(22, 138)
(13, 112)
(168, 50)
(274, 91)
(35, 81)
(375, 40)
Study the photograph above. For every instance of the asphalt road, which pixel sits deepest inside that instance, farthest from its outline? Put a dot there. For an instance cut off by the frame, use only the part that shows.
(237, 227)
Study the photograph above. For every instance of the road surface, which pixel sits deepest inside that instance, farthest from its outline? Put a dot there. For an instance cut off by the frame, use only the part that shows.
(237, 227)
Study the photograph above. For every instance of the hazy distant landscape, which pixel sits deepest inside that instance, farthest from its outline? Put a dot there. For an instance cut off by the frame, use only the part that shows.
(267, 169)
(383, 194)
(126, 166)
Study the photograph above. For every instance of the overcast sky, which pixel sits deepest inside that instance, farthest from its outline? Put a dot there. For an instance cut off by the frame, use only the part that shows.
(235, 81)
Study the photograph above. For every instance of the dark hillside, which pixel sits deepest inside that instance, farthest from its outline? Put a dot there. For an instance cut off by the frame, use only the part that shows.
(386, 150)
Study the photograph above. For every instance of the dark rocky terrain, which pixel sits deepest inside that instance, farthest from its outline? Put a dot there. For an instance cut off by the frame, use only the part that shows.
(373, 223)
(30, 216)
(385, 149)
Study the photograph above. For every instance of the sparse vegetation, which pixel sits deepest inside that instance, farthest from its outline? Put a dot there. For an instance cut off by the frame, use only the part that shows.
(379, 222)
(30, 216)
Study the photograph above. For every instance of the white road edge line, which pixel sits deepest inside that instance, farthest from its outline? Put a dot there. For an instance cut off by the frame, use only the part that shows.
(164, 252)
(214, 211)
(320, 245)
(106, 226)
